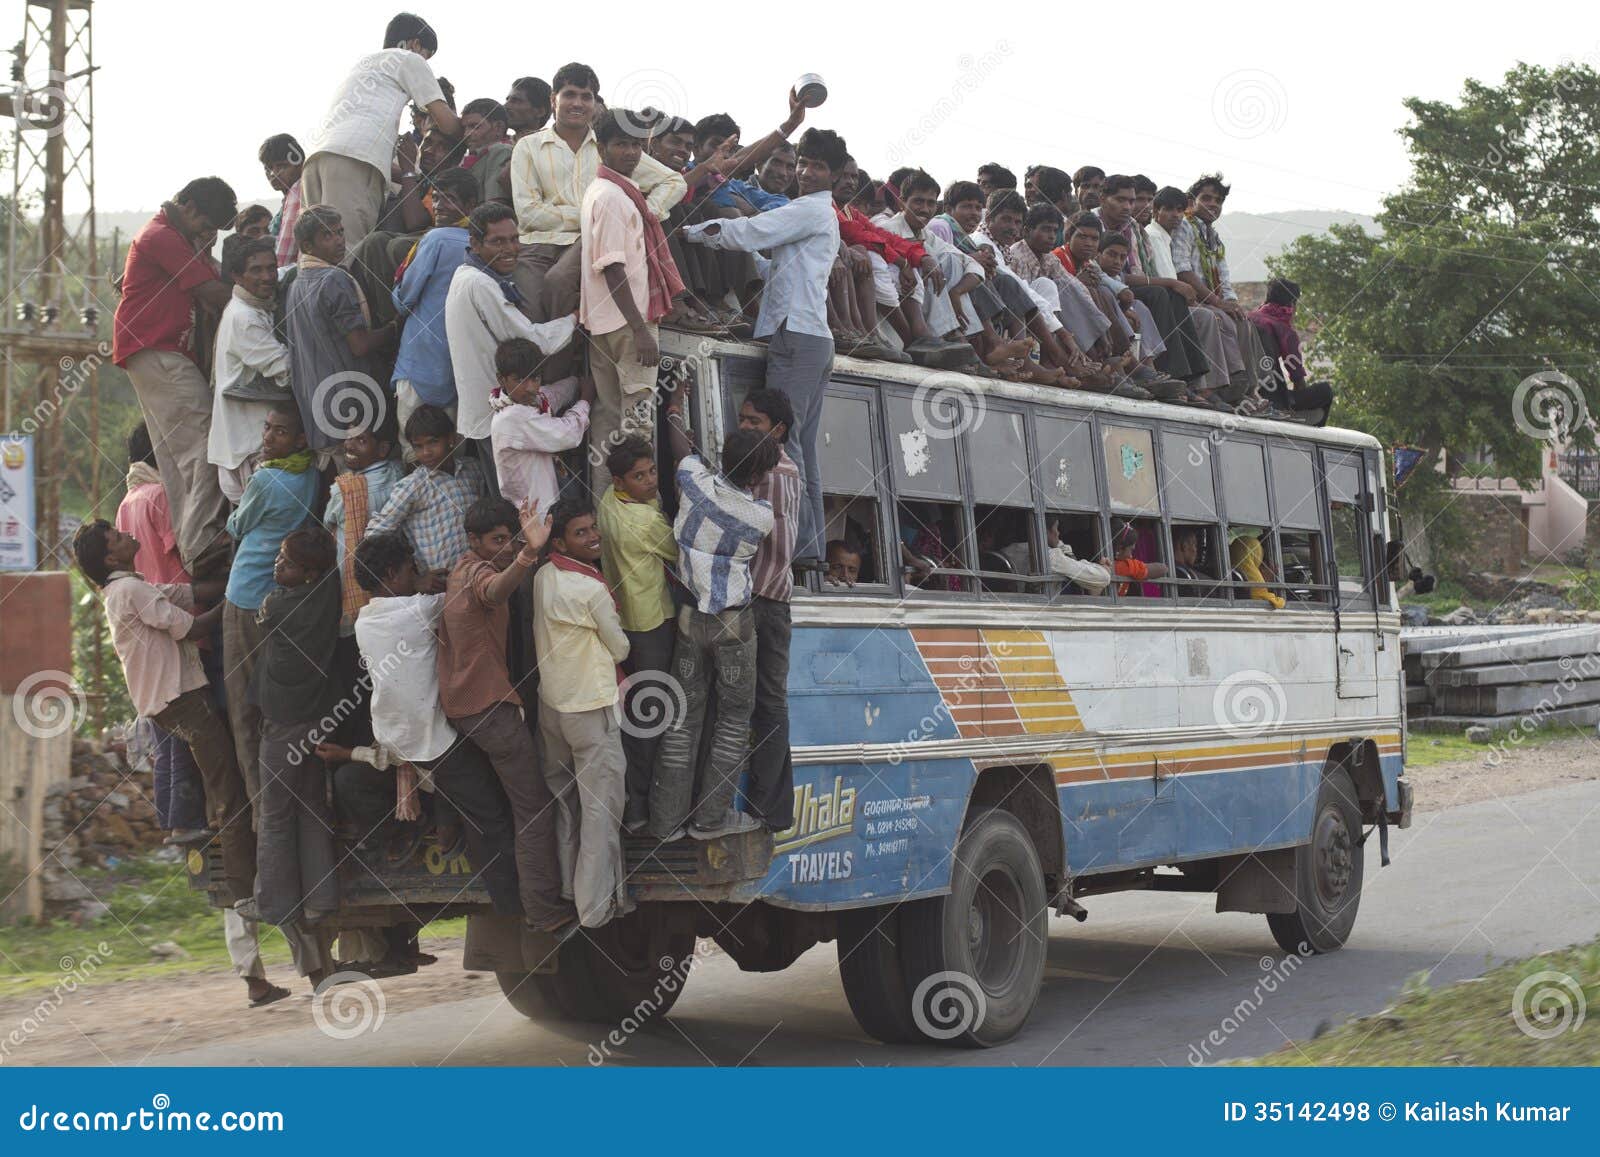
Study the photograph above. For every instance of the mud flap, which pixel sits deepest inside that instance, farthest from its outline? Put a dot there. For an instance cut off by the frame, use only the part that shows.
(505, 944)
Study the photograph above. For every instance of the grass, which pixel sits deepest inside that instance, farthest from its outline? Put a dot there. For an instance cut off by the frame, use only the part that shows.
(1472, 1022)
(1425, 749)
(150, 902)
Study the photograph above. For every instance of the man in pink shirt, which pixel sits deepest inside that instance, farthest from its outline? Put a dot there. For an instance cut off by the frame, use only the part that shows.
(154, 629)
(627, 283)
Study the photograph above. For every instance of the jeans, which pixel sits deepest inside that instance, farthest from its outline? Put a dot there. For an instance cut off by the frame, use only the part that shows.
(712, 650)
(180, 797)
(799, 365)
(769, 796)
(648, 651)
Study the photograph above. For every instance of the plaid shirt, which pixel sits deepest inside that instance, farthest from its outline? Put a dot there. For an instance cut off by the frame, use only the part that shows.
(1186, 244)
(719, 528)
(430, 507)
(784, 489)
(288, 251)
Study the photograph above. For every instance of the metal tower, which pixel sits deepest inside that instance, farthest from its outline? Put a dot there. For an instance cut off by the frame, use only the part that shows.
(57, 302)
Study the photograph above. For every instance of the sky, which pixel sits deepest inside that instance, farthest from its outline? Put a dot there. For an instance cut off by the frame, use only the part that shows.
(1298, 105)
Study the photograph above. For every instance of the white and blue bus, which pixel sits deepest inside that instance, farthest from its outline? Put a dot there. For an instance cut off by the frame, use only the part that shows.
(979, 743)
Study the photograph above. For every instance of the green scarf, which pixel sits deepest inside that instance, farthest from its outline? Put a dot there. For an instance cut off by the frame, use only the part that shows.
(1206, 237)
(963, 242)
(297, 463)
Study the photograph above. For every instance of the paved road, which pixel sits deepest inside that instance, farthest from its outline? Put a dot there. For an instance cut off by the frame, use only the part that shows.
(1144, 982)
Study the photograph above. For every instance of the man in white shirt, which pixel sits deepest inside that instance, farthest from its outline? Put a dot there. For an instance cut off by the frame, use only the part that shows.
(803, 240)
(352, 153)
(482, 310)
(945, 309)
(1166, 218)
(550, 172)
(397, 632)
(251, 367)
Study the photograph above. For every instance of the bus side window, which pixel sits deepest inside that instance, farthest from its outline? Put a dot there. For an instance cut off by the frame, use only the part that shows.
(1064, 476)
(1298, 517)
(931, 537)
(1196, 560)
(1348, 520)
(851, 466)
(1005, 546)
(1002, 496)
(1137, 554)
(1188, 492)
(855, 542)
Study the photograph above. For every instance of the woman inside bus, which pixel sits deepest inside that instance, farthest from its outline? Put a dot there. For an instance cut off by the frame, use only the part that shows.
(1250, 565)
(926, 530)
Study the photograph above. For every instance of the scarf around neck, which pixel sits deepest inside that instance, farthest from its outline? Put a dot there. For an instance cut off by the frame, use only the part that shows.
(307, 261)
(661, 272)
(142, 473)
(962, 241)
(297, 463)
(513, 295)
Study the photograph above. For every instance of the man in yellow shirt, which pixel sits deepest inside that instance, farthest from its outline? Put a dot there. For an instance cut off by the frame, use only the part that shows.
(636, 547)
(579, 641)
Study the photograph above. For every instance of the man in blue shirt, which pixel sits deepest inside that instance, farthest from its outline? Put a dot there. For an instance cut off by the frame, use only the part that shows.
(422, 371)
(803, 240)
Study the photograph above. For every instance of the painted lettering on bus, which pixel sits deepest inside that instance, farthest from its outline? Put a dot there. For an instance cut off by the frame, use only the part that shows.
(819, 815)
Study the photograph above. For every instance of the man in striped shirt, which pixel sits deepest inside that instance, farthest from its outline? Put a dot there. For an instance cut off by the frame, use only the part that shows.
(719, 528)
(770, 795)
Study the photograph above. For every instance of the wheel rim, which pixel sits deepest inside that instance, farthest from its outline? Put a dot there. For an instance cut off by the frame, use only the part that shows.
(996, 925)
(1333, 850)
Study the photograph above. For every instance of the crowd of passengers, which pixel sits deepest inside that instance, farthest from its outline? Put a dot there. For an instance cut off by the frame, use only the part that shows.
(393, 563)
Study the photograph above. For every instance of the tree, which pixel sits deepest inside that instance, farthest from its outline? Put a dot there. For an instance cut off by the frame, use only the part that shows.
(1484, 274)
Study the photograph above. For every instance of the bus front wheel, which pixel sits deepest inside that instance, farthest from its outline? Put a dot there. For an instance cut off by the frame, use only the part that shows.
(974, 959)
(1327, 873)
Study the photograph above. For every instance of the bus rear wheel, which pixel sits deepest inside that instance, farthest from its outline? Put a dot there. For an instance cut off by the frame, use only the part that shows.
(634, 967)
(974, 959)
(873, 972)
(1327, 873)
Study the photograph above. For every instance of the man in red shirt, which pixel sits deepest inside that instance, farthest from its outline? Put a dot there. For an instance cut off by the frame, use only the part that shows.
(166, 279)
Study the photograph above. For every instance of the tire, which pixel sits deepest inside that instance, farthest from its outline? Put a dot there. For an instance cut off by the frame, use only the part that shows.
(1327, 873)
(523, 993)
(974, 959)
(873, 972)
(634, 967)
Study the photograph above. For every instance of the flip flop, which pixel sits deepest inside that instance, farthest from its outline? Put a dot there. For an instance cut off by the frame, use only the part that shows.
(271, 996)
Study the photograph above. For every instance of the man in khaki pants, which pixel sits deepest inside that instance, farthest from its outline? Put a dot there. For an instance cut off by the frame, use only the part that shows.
(166, 278)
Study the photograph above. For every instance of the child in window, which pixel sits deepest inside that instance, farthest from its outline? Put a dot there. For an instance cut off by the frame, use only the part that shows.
(1124, 541)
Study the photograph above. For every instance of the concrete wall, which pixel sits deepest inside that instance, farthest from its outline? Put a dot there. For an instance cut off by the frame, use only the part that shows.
(39, 706)
(1559, 523)
(1496, 533)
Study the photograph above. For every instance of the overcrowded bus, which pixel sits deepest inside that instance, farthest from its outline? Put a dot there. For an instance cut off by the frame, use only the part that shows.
(979, 739)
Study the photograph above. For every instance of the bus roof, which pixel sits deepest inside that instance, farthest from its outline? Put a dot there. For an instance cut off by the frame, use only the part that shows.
(681, 344)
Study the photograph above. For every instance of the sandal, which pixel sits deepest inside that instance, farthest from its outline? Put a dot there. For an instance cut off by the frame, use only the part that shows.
(271, 996)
